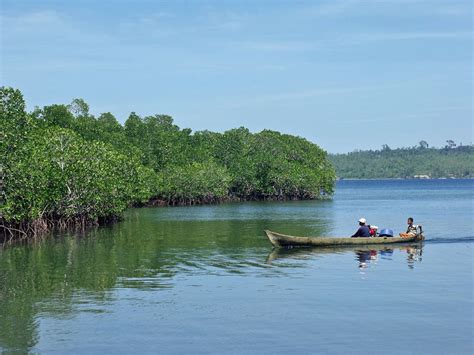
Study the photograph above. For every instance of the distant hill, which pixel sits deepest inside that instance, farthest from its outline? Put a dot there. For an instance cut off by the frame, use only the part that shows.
(415, 162)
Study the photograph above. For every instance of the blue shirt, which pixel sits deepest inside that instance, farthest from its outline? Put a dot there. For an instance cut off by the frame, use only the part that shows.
(363, 231)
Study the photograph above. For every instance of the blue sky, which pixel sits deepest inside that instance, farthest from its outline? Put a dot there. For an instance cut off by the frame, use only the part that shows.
(344, 74)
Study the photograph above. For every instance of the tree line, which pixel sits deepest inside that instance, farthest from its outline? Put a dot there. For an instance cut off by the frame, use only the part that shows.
(450, 161)
(63, 166)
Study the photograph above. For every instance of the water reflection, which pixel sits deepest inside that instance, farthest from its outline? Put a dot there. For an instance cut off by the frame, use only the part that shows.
(363, 255)
(170, 257)
(414, 255)
(366, 257)
(61, 277)
(69, 275)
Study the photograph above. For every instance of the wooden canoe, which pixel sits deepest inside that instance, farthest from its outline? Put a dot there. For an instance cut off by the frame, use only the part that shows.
(283, 240)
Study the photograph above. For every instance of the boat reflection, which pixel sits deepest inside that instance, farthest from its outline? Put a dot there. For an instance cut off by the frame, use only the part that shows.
(364, 255)
(414, 255)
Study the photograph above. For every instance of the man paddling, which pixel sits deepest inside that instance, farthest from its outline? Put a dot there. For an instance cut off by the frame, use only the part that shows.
(363, 231)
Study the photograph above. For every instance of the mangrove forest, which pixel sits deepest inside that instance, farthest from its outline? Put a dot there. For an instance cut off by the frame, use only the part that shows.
(62, 166)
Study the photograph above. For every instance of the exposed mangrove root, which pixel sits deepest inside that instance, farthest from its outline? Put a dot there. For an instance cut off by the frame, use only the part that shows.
(176, 202)
(18, 232)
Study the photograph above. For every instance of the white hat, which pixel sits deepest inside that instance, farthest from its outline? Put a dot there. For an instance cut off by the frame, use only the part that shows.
(362, 220)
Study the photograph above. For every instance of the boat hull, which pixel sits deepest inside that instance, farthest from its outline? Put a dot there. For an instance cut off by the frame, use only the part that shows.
(283, 240)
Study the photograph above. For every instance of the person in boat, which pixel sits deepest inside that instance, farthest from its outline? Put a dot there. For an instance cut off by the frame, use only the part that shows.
(363, 231)
(411, 230)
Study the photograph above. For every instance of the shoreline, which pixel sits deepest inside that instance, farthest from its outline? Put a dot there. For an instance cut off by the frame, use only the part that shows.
(11, 233)
(15, 235)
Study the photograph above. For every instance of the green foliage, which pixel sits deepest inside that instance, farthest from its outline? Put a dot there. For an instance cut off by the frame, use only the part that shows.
(78, 107)
(62, 164)
(194, 184)
(204, 145)
(14, 128)
(50, 174)
(14, 121)
(59, 176)
(57, 115)
(449, 161)
(161, 142)
(270, 165)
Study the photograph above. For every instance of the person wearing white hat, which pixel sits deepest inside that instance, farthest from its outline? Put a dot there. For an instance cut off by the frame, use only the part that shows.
(363, 231)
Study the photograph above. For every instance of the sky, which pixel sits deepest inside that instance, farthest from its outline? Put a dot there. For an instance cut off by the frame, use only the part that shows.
(343, 74)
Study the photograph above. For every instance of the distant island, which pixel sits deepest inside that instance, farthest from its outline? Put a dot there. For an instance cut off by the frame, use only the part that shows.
(419, 162)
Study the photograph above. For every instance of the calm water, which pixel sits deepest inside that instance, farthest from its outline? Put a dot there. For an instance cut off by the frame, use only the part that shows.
(206, 280)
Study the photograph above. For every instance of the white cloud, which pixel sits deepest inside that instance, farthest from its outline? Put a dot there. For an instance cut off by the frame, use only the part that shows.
(284, 46)
(36, 25)
(334, 7)
(46, 26)
(340, 40)
(361, 7)
(240, 102)
(34, 19)
(394, 36)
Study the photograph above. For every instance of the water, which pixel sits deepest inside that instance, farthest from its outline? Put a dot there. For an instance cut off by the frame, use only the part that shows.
(206, 280)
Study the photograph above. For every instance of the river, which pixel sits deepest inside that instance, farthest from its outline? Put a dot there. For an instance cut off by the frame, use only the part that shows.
(206, 280)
